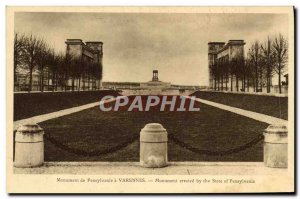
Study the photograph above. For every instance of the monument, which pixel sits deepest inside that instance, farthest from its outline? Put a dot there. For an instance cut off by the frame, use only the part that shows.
(155, 84)
(156, 87)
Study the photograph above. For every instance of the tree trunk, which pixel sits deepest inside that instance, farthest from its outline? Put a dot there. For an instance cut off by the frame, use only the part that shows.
(52, 83)
(261, 80)
(56, 81)
(215, 83)
(256, 78)
(83, 82)
(66, 82)
(15, 68)
(73, 82)
(94, 84)
(231, 82)
(267, 84)
(42, 79)
(237, 83)
(89, 82)
(244, 87)
(243, 84)
(48, 80)
(268, 79)
(222, 82)
(218, 83)
(247, 84)
(226, 83)
(30, 79)
(79, 83)
(279, 78)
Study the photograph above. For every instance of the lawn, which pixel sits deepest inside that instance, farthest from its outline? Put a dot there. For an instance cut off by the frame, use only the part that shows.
(269, 105)
(210, 129)
(31, 104)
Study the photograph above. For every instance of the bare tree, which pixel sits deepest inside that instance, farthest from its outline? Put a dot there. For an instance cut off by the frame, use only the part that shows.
(42, 61)
(244, 68)
(54, 63)
(51, 67)
(234, 67)
(35, 55)
(67, 69)
(97, 72)
(73, 63)
(214, 74)
(280, 48)
(254, 54)
(267, 61)
(31, 52)
(239, 70)
(226, 71)
(19, 44)
(232, 64)
(248, 74)
(214, 71)
(61, 71)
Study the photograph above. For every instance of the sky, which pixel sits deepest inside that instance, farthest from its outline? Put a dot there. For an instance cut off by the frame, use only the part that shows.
(135, 43)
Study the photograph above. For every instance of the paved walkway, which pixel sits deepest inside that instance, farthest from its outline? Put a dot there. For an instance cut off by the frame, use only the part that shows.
(49, 116)
(174, 168)
(250, 93)
(250, 114)
(253, 115)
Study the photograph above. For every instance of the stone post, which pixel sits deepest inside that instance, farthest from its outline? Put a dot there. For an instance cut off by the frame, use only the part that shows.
(29, 146)
(276, 146)
(153, 146)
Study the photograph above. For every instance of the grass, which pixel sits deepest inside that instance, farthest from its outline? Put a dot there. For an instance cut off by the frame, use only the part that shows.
(210, 128)
(31, 104)
(269, 105)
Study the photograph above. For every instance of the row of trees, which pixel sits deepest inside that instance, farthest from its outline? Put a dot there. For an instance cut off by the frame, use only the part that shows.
(263, 61)
(34, 54)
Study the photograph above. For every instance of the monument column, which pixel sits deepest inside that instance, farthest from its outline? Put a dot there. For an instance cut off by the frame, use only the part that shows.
(155, 75)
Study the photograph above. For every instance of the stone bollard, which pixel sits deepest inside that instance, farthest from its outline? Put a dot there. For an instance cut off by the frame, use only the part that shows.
(276, 146)
(153, 146)
(29, 146)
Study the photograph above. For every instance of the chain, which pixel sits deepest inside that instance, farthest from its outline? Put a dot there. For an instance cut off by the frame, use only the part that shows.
(238, 149)
(92, 153)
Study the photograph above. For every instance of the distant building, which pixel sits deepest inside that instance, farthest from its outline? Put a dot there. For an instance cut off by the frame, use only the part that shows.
(222, 52)
(232, 53)
(91, 51)
(22, 80)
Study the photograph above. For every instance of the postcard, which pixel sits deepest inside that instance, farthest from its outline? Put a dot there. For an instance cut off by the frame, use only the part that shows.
(150, 100)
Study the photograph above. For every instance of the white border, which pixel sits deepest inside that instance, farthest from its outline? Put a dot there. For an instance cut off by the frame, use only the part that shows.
(3, 4)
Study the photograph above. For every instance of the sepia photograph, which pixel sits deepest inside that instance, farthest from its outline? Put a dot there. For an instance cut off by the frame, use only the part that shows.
(150, 99)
